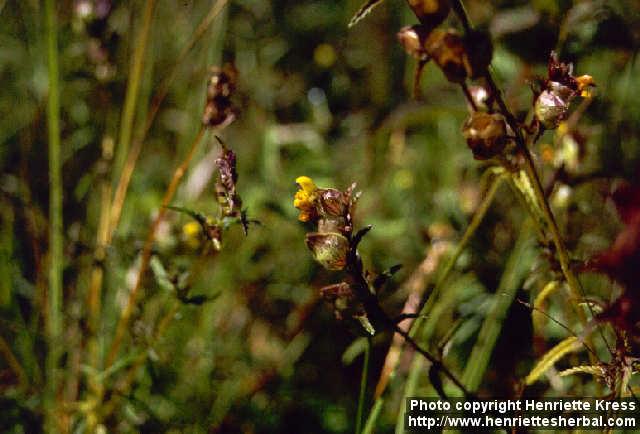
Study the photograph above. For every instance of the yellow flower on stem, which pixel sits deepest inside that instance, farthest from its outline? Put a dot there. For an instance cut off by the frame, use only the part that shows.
(305, 198)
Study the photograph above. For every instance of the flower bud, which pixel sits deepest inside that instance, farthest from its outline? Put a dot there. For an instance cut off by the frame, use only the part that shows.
(486, 134)
(431, 13)
(448, 51)
(329, 249)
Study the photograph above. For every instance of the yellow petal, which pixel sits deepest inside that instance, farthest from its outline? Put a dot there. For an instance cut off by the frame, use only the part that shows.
(306, 184)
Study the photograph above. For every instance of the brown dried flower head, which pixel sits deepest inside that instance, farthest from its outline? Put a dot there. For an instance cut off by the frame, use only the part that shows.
(412, 39)
(329, 249)
(447, 49)
(486, 134)
(560, 88)
(343, 300)
(219, 111)
(228, 197)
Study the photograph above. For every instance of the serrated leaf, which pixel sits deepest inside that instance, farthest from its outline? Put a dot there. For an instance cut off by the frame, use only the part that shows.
(364, 10)
(567, 346)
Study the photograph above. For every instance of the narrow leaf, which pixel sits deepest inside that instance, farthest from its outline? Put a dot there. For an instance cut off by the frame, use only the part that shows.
(364, 10)
(567, 346)
(596, 371)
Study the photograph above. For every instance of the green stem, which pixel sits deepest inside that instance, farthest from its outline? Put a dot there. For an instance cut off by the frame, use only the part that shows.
(133, 86)
(448, 268)
(363, 386)
(54, 296)
(516, 269)
(373, 416)
(466, 237)
(577, 292)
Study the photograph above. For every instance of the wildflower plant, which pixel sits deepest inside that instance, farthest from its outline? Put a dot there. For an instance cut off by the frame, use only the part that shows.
(495, 168)
(507, 143)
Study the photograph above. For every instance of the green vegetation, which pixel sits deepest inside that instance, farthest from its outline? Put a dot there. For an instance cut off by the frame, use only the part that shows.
(154, 275)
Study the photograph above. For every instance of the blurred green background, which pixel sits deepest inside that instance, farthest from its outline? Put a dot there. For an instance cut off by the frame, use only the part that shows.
(315, 99)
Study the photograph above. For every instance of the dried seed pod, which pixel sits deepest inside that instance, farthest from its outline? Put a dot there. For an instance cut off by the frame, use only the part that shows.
(447, 49)
(219, 111)
(333, 202)
(343, 300)
(228, 198)
(479, 51)
(486, 134)
(412, 39)
(329, 249)
(431, 13)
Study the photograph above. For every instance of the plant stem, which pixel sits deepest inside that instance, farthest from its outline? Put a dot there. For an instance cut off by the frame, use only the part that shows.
(515, 271)
(54, 296)
(123, 322)
(13, 363)
(156, 102)
(133, 86)
(451, 262)
(363, 386)
(576, 289)
(373, 416)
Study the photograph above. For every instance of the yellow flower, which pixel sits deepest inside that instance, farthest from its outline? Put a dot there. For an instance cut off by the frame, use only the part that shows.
(305, 198)
(191, 234)
(585, 83)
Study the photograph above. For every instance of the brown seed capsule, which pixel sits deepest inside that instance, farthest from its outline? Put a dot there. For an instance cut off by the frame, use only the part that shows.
(431, 13)
(332, 202)
(447, 49)
(412, 40)
(342, 299)
(486, 134)
(552, 105)
(329, 249)
(218, 110)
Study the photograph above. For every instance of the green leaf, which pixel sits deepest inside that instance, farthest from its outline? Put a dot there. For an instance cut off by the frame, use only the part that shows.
(364, 10)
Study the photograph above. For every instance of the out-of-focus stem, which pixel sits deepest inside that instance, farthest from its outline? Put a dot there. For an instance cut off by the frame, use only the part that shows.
(477, 218)
(163, 89)
(54, 294)
(133, 86)
(577, 292)
(363, 386)
(13, 362)
(123, 322)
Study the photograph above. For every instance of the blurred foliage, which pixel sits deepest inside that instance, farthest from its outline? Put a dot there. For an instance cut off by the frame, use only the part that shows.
(260, 353)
